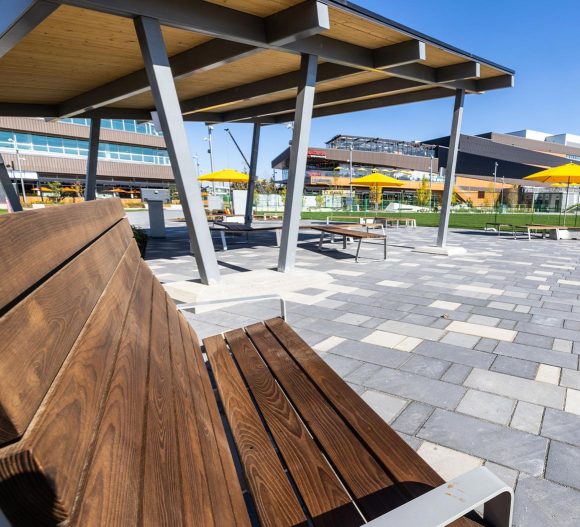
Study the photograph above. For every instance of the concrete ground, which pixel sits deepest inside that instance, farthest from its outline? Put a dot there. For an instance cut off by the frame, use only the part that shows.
(472, 359)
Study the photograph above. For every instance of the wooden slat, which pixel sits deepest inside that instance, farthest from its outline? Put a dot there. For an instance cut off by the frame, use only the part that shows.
(275, 501)
(59, 437)
(33, 243)
(38, 333)
(325, 497)
(162, 502)
(399, 458)
(227, 501)
(374, 491)
(113, 491)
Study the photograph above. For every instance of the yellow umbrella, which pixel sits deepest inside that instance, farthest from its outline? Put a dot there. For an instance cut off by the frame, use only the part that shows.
(376, 182)
(567, 174)
(226, 176)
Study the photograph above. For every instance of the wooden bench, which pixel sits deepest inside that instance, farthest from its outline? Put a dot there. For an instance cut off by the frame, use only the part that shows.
(543, 230)
(109, 417)
(396, 221)
(347, 232)
(224, 228)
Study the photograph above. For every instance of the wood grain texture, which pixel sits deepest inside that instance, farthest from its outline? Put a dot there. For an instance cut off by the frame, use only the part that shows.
(227, 501)
(319, 487)
(348, 231)
(396, 456)
(37, 334)
(275, 501)
(112, 495)
(368, 482)
(33, 243)
(59, 438)
(162, 495)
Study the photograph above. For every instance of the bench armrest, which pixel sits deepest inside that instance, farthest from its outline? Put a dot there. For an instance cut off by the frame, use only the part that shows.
(445, 504)
(239, 300)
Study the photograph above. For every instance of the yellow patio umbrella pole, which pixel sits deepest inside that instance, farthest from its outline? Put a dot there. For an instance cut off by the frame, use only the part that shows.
(568, 174)
(377, 181)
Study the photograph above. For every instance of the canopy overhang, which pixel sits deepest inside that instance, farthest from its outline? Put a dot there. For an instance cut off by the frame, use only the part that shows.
(233, 61)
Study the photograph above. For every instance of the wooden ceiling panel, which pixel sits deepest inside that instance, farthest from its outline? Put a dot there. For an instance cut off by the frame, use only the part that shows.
(257, 7)
(75, 50)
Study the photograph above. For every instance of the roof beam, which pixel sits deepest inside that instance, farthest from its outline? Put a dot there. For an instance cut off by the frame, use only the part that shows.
(220, 21)
(446, 76)
(206, 56)
(28, 110)
(383, 86)
(278, 83)
(19, 18)
(455, 72)
(399, 54)
(496, 83)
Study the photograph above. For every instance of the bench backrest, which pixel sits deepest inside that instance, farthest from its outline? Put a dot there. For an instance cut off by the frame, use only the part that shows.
(105, 402)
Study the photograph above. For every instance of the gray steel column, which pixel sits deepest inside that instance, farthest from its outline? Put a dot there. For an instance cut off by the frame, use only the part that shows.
(297, 168)
(450, 168)
(169, 111)
(92, 160)
(253, 173)
(11, 194)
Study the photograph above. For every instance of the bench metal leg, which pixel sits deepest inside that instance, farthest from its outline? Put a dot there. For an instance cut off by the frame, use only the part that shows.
(344, 242)
(385, 255)
(320, 241)
(278, 236)
(223, 237)
(357, 250)
(447, 503)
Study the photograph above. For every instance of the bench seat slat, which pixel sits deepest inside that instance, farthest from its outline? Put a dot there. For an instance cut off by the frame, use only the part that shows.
(55, 314)
(371, 486)
(400, 459)
(60, 436)
(227, 501)
(275, 501)
(34, 243)
(162, 502)
(323, 494)
(113, 492)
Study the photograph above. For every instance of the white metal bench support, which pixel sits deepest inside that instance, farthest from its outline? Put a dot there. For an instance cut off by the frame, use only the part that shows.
(447, 503)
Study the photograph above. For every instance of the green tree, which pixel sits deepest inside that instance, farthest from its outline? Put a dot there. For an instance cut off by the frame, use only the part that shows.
(55, 189)
(423, 193)
(320, 199)
(454, 197)
(283, 195)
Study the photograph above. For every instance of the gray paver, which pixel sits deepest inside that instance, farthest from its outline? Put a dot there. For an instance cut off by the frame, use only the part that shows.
(457, 373)
(512, 448)
(487, 406)
(426, 366)
(486, 344)
(411, 330)
(508, 475)
(416, 387)
(342, 365)
(563, 464)
(352, 318)
(412, 418)
(527, 417)
(538, 341)
(541, 503)
(468, 357)
(517, 367)
(459, 339)
(562, 426)
(545, 356)
(371, 353)
(570, 379)
(387, 406)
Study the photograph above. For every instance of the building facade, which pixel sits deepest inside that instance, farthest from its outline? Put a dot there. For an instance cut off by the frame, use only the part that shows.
(38, 152)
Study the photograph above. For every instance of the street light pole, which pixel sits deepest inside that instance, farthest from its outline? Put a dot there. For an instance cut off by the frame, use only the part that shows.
(210, 149)
(13, 141)
(350, 175)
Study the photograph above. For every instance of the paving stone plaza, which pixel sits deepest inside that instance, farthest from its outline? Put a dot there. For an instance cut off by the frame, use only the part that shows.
(472, 359)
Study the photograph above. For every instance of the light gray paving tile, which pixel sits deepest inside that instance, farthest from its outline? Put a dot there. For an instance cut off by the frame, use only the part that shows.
(516, 388)
(517, 367)
(441, 323)
(413, 442)
(541, 503)
(357, 388)
(562, 345)
(537, 341)
(415, 387)
(562, 426)
(507, 324)
(411, 330)
(527, 417)
(341, 365)
(544, 356)
(457, 354)
(412, 418)
(487, 406)
(508, 475)
(457, 373)
(387, 406)
(421, 320)
(563, 464)
(352, 318)
(371, 353)
(484, 320)
(486, 344)
(511, 448)
(427, 366)
(459, 339)
(570, 378)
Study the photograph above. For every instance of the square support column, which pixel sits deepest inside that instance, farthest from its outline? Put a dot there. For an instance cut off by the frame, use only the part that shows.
(297, 168)
(8, 188)
(92, 160)
(171, 120)
(450, 168)
(253, 173)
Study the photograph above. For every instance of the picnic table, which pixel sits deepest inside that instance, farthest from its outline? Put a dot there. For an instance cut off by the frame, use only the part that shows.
(396, 220)
(349, 232)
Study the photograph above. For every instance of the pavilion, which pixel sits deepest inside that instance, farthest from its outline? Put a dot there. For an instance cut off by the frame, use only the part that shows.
(250, 61)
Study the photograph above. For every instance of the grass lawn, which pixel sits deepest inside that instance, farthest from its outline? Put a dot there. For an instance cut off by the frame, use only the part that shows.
(458, 220)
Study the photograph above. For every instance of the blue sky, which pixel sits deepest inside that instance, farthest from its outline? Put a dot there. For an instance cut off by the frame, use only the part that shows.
(538, 39)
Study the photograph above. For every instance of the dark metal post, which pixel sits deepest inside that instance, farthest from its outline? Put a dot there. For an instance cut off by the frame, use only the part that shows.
(92, 160)
(8, 188)
(297, 168)
(450, 169)
(167, 105)
(253, 173)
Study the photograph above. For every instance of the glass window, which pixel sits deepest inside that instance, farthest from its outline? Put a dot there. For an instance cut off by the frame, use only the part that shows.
(130, 126)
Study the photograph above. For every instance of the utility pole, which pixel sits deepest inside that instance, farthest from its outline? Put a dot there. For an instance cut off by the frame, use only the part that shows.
(210, 150)
(18, 158)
